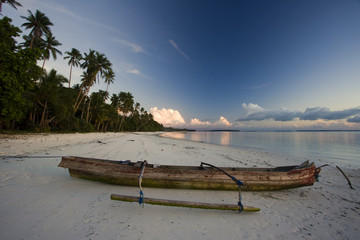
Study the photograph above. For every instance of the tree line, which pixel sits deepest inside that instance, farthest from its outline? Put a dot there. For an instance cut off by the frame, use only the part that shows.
(33, 99)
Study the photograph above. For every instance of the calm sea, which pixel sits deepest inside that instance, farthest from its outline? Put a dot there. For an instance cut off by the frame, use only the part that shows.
(339, 147)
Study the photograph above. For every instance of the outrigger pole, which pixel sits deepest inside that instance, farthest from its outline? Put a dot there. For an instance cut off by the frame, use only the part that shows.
(176, 203)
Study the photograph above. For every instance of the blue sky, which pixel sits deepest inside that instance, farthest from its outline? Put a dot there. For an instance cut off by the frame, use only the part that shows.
(221, 64)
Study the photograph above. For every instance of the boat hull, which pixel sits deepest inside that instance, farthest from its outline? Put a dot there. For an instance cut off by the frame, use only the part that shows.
(190, 177)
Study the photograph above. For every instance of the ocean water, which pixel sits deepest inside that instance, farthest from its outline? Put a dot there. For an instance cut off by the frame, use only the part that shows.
(337, 148)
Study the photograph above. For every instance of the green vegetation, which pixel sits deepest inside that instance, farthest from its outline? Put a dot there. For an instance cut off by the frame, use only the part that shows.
(32, 99)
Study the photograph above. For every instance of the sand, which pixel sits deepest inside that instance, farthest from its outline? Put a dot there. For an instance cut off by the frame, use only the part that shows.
(39, 200)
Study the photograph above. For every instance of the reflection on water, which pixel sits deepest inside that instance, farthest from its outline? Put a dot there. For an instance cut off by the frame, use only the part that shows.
(220, 138)
(337, 147)
(178, 135)
(225, 138)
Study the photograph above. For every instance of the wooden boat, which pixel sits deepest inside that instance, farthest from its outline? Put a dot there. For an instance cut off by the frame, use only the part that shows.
(190, 177)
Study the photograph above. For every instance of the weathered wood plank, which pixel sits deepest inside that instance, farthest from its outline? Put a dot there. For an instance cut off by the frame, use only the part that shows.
(177, 203)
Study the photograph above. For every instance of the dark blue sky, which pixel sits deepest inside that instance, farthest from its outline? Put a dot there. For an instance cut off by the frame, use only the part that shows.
(207, 59)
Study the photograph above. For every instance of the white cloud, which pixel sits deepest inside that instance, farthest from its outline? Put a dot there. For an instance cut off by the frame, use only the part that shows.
(252, 108)
(257, 117)
(178, 49)
(256, 113)
(134, 47)
(167, 117)
(137, 72)
(173, 118)
(133, 71)
(223, 122)
(198, 123)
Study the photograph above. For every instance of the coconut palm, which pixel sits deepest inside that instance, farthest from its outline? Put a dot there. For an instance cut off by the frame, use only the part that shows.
(95, 64)
(38, 23)
(126, 105)
(37, 43)
(74, 60)
(48, 90)
(109, 76)
(49, 48)
(12, 3)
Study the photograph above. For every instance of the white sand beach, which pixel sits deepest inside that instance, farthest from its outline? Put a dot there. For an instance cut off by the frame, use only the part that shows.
(39, 200)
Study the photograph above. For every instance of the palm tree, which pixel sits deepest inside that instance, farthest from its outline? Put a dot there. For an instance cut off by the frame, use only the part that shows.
(86, 78)
(74, 60)
(115, 104)
(95, 64)
(37, 43)
(48, 90)
(109, 76)
(126, 105)
(12, 3)
(49, 48)
(38, 23)
(126, 102)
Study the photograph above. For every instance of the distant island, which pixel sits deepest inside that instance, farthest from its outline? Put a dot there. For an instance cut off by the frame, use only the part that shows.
(327, 130)
(224, 130)
(171, 129)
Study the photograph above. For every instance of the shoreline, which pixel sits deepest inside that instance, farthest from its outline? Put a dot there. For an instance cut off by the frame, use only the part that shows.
(41, 201)
(292, 151)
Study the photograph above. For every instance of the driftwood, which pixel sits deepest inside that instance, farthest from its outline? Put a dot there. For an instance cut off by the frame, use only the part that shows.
(176, 203)
(345, 177)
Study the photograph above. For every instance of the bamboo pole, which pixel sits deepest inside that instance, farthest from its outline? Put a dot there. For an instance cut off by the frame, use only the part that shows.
(176, 203)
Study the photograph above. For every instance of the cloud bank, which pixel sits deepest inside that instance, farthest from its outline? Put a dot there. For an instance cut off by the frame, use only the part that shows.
(167, 117)
(199, 123)
(256, 117)
(173, 118)
(355, 119)
(256, 113)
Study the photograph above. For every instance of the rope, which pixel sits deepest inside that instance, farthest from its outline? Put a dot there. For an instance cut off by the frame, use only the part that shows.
(317, 171)
(237, 181)
(345, 177)
(141, 197)
(240, 206)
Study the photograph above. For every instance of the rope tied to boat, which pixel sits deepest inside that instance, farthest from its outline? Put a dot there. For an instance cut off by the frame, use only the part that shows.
(237, 181)
(141, 197)
(317, 171)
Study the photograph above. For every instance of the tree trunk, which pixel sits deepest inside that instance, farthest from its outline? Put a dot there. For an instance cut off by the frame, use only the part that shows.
(77, 98)
(121, 123)
(34, 116)
(83, 110)
(32, 41)
(42, 121)
(85, 93)
(70, 75)
(42, 69)
(88, 110)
